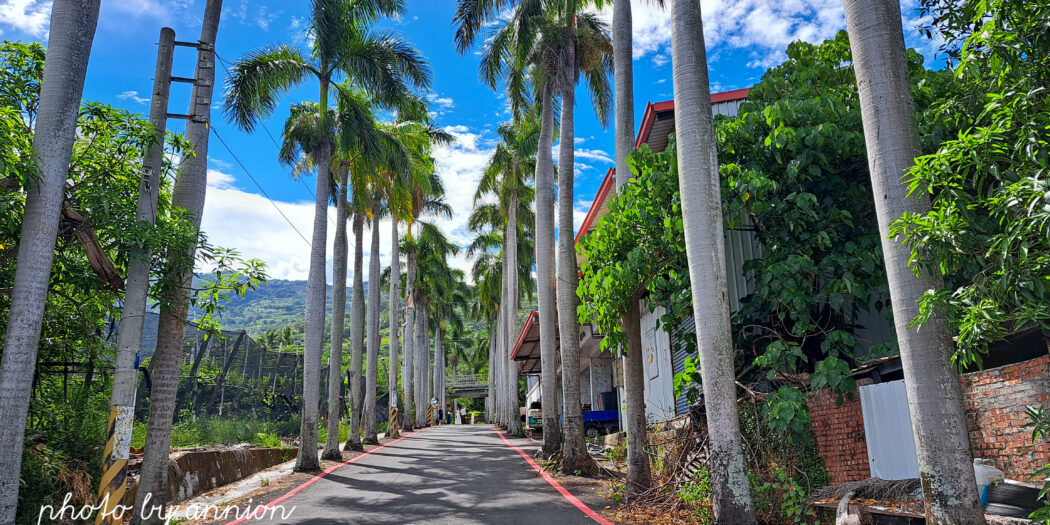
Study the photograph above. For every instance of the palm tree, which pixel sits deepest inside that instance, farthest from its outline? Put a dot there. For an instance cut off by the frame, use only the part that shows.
(448, 291)
(335, 353)
(369, 412)
(639, 476)
(702, 215)
(512, 52)
(487, 275)
(72, 33)
(512, 162)
(343, 46)
(357, 326)
(425, 197)
(552, 42)
(892, 138)
(587, 49)
(417, 137)
(432, 249)
(504, 228)
(361, 144)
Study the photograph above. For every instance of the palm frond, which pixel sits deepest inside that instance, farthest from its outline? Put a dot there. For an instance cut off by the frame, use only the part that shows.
(258, 79)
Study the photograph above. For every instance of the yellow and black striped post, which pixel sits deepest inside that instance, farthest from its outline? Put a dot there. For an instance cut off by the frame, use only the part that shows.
(392, 423)
(430, 414)
(114, 466)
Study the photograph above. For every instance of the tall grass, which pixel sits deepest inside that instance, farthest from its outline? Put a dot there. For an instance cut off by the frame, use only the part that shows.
(223, 431)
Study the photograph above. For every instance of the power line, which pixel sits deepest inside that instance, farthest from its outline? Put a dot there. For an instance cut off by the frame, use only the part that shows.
(259, 186)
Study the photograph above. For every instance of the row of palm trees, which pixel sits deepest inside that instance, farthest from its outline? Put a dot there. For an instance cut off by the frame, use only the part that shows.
(538, 50)
(381, 170)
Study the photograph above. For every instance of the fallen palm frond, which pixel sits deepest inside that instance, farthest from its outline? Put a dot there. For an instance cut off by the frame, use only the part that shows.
(871, 489)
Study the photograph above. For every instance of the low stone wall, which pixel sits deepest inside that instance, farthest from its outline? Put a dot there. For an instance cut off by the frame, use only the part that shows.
(195, 472)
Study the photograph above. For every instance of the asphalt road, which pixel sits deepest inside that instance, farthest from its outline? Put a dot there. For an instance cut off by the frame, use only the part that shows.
(456, 474)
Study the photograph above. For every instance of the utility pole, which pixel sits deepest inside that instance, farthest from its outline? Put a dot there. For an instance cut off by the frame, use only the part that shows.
(125, 374)
(188, 194)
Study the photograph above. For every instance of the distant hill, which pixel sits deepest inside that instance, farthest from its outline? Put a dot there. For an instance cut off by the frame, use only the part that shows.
(274, 304)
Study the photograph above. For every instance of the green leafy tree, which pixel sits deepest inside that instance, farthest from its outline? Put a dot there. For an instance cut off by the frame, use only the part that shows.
(988, 230)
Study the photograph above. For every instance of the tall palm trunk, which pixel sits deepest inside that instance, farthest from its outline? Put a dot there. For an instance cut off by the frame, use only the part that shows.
(639, 475)
(395, 326)
(574, 456)
(315, 310)
(72, 32)
(357, 334)
(892, 138)
(503, 351)
(638, 471)
(420, 365)
(702, 215)
(514, 423)
(408, 368)
(490, 400)
(439, 368)
(372, 367)
(545, 277)
(335, 354)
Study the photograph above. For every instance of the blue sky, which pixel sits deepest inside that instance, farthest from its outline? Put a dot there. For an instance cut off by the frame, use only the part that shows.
(744, 38)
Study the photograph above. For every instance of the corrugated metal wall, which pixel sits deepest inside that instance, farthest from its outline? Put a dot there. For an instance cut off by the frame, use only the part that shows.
(887, 430)
(730, 108)
(686, 329)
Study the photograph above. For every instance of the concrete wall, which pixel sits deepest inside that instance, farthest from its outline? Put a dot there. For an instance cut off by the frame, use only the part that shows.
(198, 471)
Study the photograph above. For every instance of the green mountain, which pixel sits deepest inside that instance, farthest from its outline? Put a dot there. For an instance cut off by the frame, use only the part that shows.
(274, 304)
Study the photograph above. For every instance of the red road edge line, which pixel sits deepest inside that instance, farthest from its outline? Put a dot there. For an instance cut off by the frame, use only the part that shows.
(557, 486)
(314, 479)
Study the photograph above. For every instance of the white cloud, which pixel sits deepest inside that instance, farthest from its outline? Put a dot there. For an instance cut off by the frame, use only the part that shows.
(460, 167)
(765, 27)
(584, 153)
(33, 17)
(444, 102)
(132, 95)
(272, 234)
(264, 17)
(27, 16)
(261, 16)
(579, 212)
(149, 8)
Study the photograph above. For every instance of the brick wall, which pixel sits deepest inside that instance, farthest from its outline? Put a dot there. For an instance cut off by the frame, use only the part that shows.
(995, 414)
(840, 437)
(996, 417)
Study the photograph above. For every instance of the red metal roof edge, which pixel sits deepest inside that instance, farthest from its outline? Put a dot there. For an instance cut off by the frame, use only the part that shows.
(651, 109)
(648, 118)
(603, 192)
(533, 315)
(726, 96)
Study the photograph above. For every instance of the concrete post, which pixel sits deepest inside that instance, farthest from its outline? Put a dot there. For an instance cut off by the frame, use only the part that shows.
(122, 403)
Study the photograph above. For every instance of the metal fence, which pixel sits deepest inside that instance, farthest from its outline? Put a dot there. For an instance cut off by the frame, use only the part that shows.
(231, 373)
